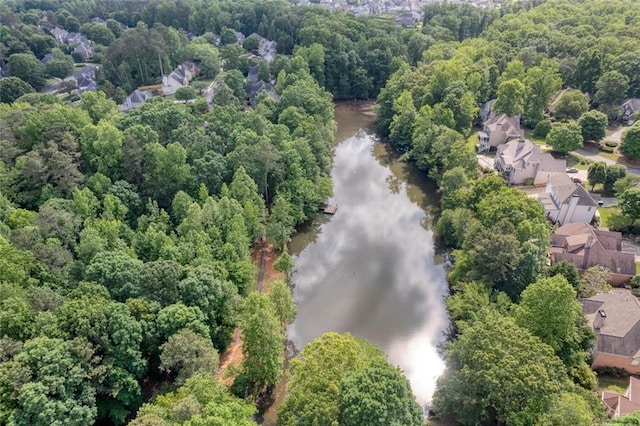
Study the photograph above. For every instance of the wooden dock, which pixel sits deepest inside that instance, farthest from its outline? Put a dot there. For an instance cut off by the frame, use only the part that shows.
(330, 209)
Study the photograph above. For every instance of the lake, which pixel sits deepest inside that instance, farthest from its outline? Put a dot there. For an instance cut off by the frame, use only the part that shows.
(372, 268)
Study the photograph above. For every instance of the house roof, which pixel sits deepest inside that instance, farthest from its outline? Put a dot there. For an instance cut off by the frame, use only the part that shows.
(593, 246)
(509, 125)
(564, 188)
(623, 404)
(632, 103)
(622, 311)
(46, 58)
(486, 109)
(516, 152)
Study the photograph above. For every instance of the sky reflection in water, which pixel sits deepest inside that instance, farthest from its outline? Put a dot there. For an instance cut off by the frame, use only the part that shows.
(370, 270)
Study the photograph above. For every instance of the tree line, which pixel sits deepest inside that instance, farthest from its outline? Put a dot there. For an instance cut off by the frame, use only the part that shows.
(506, 303)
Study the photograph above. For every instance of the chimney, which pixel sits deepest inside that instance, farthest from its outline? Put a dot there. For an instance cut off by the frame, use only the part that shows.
(599, 320)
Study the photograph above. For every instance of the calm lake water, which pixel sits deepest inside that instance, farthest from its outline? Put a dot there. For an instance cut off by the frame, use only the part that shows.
(371, 269)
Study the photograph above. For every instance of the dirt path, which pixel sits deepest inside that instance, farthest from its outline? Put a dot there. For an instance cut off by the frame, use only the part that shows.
(263, 256)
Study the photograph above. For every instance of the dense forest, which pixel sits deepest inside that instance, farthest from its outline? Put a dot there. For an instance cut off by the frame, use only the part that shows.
(126, 238)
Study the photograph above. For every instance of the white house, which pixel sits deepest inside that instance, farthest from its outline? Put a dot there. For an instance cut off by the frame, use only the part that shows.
(519, 160)
(498, 130)
(566, 201)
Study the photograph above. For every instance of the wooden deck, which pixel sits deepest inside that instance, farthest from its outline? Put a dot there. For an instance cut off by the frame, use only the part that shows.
(330, 209)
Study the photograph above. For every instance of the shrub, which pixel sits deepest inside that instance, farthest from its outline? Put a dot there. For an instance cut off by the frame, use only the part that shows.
(528, 181)
(542, 129)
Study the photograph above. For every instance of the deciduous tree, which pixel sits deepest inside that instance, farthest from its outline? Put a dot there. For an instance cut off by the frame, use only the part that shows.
(593, 125)
(11, 88)
(629, 202)
(510, 98)
(27, 68)
(630, 142)
(564, 137)
(263, 344)
(378, 395)
(497, 370)
(315, 376)
(187, 353)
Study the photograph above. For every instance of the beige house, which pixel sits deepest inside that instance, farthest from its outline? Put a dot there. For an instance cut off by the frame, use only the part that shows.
(615, 318)
(498, 130)
(566, 201)
(519, 160)
(626, 403)
(585, 246)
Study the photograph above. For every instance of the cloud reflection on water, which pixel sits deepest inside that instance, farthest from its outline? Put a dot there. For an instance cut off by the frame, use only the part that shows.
(371, 272)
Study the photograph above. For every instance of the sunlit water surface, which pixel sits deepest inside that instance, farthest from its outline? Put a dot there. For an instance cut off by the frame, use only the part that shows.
(371, 269)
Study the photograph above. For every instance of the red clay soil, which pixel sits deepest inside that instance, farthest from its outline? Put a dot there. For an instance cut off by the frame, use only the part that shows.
(233, 356)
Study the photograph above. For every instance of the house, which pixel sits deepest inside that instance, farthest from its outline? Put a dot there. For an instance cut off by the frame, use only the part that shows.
(498, 130)
(628, 108)
(615, 318)
(239, 38)
(46, 58)
(135, 99)
(179, 77)
(255, 89)
(4, 68)
(84, 84)
(406, 20)
(86, 79)
(98, 20)
(60, 35)
(626, 403)
(485, 112)
(267, 50)
(74, 39)
(84, 49)
(585, 246)
(252, 76)
(566, 201)
(519, 160)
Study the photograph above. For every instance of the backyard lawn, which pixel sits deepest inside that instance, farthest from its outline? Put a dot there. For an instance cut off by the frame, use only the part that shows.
(609, 215)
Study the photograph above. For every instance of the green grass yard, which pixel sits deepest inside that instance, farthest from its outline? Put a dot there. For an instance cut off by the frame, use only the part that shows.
(609, 215)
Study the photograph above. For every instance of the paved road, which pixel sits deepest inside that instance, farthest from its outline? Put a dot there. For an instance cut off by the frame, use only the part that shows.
(593, 156)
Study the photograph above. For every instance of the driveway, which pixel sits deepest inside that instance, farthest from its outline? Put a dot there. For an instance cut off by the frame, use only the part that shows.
(616, 135)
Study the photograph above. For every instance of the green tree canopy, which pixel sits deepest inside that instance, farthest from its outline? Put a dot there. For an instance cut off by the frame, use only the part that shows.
(27, 68)
(510, 98)
(187, 353)
(497, 370)
(629, 202)
(263, 343)
(572, 104)
(11, 88)
(48, 382)
(593, 125)
(564, 137)
(378, 395)
(630, 142)
(315, 376)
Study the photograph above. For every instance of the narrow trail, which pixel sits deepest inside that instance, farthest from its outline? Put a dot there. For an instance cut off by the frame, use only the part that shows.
(262, 265)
